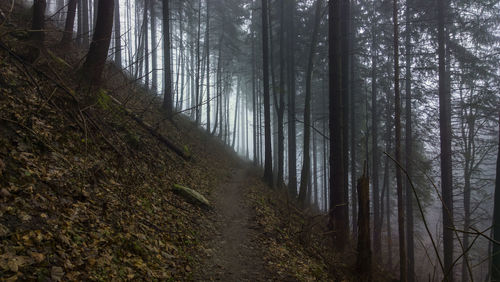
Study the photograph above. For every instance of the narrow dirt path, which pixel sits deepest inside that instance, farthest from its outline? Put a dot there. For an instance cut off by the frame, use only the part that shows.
(234, 253)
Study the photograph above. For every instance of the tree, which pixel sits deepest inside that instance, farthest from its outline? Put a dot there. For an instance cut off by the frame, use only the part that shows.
(167, 92)
(70, 22)
(408, 147)
(399, 180)
(495, 263)
(445, 138)
(118, 45)
(38, 24)
(338, 208)
(268, 165)
(375, 154)
(98, 51)
(292, 144)
(306, 164)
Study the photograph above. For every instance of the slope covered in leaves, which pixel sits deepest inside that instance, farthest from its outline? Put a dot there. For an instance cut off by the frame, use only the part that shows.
(85, 191)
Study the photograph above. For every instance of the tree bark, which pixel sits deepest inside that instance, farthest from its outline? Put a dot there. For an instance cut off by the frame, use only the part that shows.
(38, 25)
(409, 149)
(399, 180)
(495, 261)
(338, 208)
(98, 51)
(306, 164)
(118, 45)
(292, 144)
(268, 165)
(70, 22)
(363, 262)
(207, 46)
(445, 138)
(167, 92)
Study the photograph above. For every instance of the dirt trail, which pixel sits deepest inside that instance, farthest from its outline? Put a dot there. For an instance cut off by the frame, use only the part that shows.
(234, 253)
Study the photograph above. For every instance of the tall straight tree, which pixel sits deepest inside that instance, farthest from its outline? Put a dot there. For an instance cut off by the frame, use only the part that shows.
(207, 47)
(268, 163)
(38, 23)
(445, 138)
(292, 142)
(70, 22)
(167, 91)
(375, 153)
(118, 45)
(408, 146)
(98, 51)
(399, 179)
(495, 261)
(338, 208)
(154, 51)
(306, 164)
(280, 105)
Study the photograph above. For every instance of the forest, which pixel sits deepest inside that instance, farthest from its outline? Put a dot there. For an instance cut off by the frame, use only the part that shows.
(357, 140)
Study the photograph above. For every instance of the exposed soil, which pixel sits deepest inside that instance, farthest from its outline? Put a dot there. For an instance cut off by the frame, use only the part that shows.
(234, 253)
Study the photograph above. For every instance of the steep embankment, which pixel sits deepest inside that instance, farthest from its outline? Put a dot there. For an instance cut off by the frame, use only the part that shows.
(86, 189)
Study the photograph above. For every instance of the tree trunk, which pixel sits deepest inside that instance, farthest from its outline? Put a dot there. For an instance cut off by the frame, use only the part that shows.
(268, 166)
(207, 46)
(281, 102)
(399, 180)
(375, 155)
(306, 164)
(167, 92)
(118, 45)
(38, 25)
(70, 22)
(345, 22)
(292, 145)
(338, 210)
(154, 52)
(363, 263)
(98, 52)
(198, 62)
(408, 149)
(85, 23)
(445, 138)
(146, 42)
(236, 113)
(495, 261)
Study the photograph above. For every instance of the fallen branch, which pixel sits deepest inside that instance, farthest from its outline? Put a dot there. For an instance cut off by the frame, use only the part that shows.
(153, 132)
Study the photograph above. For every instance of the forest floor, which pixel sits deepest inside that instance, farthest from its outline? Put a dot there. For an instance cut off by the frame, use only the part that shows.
(86, 192)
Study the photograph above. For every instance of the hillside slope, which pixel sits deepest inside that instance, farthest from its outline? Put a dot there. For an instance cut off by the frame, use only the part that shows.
(86, 190)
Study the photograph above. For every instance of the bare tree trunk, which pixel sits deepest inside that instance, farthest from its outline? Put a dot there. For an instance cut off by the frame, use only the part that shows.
(268, 166)
(167, 92)
(154, 51)
(70, 22)
(399, 180)
(409, 149)
(375, 154)
(306, 164)
(38, 25)
(445, 137)
(118, 45)
(338, 210)
(207, 46)
(198, 62)
(292, 143)
(85, 23)
(98, 52)
(495, 260)
(363, 263)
